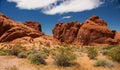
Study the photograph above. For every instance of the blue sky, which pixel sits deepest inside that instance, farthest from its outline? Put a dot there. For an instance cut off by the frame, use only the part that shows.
(49, 12)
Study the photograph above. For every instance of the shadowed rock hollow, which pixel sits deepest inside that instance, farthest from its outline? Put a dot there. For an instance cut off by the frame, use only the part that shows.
(93, 32)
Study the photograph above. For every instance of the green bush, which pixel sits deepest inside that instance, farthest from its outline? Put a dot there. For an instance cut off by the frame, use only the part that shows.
(64, 57)
(109, 47)
(2, 53)
(11, 68)
(100, 62)
(114, 53)
(53, 52)
(13, 52)
(32, 51)
(15, 49)
(92, 53)
(36, 59)
(44, 52)
(22, 54)
(103, 63)
(104, 52)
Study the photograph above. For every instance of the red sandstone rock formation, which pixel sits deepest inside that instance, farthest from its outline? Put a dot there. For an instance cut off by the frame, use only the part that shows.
(93, 31)
(34, 25)
(66, 32)
(117, 36)
(11, 30)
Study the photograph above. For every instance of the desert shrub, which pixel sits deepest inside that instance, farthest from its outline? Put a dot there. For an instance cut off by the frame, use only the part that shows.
(100, 62)
(32, 51)
(22, 54)
(64, 57)
(103, 63)
(109, 47)
(114, 53)
(92, 53)
(13, 52)
(2, 53)
(104, 52)
(82, 49)
(36, 59)
(11, 68)
(53, 52)
(44, 52)
(16, 49)
(43, 55)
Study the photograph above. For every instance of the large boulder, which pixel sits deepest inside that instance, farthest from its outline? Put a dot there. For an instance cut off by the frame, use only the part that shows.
(94, 31)
(11, 30)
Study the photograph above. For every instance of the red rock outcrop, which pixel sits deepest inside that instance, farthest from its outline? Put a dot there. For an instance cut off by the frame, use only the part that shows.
(33, 24)
(117, 36)
(11, 30)
(93, 31)
(66, 32)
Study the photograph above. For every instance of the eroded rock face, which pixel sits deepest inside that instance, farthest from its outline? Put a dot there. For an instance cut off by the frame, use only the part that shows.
(66, 32)
(33, 24)
(93, 31)
(11, 30)
(117, 36)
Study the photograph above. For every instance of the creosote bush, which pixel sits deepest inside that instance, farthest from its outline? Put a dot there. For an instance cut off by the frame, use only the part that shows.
(22, 54)
(44, 52)
(100, 62)
(11, 68)
(109, 47)
(13, 52)
(103, 63)
(104, 52)
(16, 49)
(92, 53)
(2, 53)
(36, 59)
(64, 57)
(114, 53)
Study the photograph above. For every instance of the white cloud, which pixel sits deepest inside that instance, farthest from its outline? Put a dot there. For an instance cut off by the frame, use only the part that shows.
(32, 4)
(65, 17)
(73, 6)
(50, 7)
